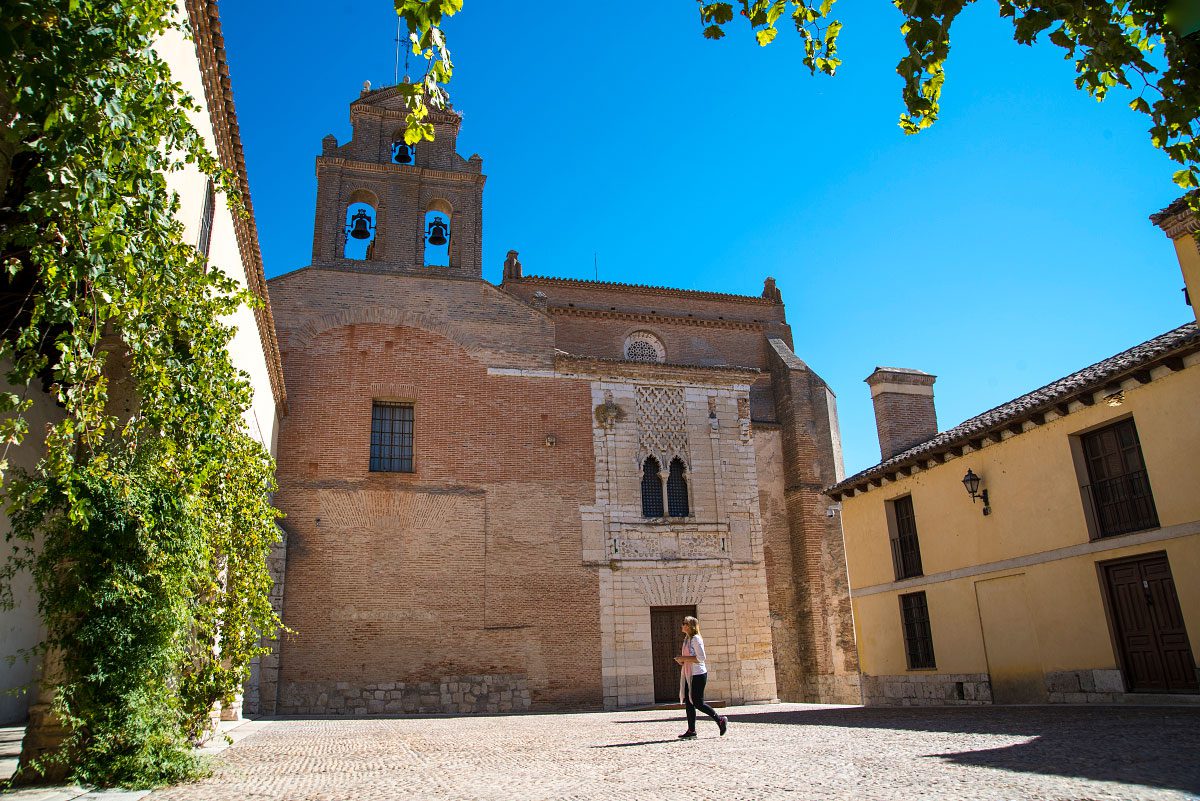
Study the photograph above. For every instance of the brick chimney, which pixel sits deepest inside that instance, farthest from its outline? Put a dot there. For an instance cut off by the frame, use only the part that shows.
(904, 413)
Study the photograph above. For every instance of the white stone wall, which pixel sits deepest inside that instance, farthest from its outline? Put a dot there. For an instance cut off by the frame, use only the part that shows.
(21, 626)
(713, 558)
(246, 348)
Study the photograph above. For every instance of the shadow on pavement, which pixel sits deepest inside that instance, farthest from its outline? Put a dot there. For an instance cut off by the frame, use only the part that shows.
(1151, 746)
(640, 742)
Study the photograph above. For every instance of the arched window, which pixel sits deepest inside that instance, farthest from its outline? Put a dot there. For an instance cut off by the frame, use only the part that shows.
(652, 490)
(677, 492)
(437, 238)
(360, 231)
(642, 346)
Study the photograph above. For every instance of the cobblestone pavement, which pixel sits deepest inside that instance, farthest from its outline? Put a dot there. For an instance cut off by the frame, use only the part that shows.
(782, 751)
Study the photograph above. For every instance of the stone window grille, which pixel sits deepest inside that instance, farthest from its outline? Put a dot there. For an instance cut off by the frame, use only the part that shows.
(652, 489)
(642, 346)
(677, 490)
(918, 639)
(391, 437)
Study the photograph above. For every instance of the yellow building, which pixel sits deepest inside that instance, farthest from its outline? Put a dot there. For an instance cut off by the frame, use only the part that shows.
(1047, 550)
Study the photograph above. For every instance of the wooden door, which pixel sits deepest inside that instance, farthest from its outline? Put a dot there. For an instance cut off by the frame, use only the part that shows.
(666, 641)
(1148, 624)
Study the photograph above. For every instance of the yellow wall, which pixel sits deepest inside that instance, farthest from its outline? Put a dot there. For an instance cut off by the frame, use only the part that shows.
(1189, 261)
(1036, 508)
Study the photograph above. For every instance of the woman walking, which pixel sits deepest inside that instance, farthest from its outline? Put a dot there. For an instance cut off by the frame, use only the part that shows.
(693, 675)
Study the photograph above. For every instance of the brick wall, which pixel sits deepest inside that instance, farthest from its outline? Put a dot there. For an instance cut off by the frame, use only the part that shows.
(904, 410)
(470, 565)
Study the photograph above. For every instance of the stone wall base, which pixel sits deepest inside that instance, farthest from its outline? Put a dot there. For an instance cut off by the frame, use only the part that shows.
(449, 695)
(832, 689)
(1085, 686)
(927, 689)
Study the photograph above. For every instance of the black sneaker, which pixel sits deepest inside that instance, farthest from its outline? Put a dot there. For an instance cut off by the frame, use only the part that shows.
(723, 724)
(687, 735)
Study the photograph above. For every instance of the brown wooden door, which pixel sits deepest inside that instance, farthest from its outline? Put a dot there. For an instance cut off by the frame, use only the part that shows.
(666, 641)
(1151, 637)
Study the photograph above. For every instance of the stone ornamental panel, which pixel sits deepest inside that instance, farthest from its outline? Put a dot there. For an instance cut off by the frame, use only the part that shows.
(662, 424)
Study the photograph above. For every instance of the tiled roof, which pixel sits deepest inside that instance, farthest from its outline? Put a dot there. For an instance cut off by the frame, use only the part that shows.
(691, 293)
(1184, 339)
(1176, 206)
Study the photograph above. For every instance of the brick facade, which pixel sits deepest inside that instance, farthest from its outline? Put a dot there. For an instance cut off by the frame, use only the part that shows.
(904, 409)
(513, 568)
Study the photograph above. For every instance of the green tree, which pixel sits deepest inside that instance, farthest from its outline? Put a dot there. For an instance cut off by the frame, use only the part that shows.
(1146, 46)
(147, 523)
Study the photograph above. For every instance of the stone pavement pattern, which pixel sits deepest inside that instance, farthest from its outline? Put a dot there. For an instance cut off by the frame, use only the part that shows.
(779, 751)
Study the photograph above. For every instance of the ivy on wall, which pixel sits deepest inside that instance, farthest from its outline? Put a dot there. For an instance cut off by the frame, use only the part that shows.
(146, 524)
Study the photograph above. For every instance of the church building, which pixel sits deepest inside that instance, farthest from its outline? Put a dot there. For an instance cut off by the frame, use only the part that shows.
(505, 498)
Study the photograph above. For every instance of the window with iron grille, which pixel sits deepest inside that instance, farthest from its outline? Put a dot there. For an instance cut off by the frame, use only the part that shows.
(918, 639)
(652, 489)
(906, 549)
(1118, 488)
(677, 490)
(391, 437)
(206, 220)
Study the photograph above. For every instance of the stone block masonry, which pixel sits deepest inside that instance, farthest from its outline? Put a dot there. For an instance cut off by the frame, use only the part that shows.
(447, 695)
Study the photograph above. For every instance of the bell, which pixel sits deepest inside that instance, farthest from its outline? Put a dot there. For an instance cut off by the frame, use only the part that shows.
(437, 232)
(401, 153)
(360, 225)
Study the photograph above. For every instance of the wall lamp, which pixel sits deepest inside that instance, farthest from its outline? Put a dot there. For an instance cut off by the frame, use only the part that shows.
(971, 482)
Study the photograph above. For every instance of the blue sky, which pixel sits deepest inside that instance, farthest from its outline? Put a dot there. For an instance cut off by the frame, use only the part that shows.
(1003, 248)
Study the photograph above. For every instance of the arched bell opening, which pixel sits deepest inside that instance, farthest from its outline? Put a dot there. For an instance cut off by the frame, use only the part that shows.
(361, 231)
(403, 153)
(437, 237)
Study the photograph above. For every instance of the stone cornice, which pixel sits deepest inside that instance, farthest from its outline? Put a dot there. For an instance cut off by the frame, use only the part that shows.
(664, 319)
(415, 172)
(644, 289)
(218, 93)
(596, 367)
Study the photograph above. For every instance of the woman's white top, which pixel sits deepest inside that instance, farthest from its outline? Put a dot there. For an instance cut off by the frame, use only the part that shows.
(692, 646)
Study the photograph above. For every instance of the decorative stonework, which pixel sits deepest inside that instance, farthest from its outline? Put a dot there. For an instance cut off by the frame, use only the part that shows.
(636, 548)
(662, 425)
(673, 590)
(609, 413)
(642, 346)
(450, 695)
(702, 546)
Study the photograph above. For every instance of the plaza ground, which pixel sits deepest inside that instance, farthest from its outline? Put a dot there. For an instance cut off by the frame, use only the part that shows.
(790, 751)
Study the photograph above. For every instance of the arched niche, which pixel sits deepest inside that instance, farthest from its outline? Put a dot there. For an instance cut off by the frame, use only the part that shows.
(399, 152)
(361, 231)
(438, 233)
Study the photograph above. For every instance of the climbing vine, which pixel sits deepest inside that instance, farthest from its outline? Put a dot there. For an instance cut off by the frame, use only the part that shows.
(146, 522)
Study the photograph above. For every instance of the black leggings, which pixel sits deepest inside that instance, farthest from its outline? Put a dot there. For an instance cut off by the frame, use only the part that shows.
(693, 699)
